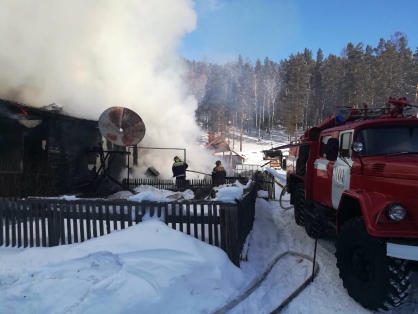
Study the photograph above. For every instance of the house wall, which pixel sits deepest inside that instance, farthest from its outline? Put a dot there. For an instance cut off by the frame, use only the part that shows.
(54, 154)
(69, 141)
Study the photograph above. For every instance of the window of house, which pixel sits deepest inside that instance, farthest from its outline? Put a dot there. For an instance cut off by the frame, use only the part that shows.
(345, 144)
(323, 148)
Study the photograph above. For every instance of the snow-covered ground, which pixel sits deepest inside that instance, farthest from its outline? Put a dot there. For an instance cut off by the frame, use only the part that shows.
(150, 268)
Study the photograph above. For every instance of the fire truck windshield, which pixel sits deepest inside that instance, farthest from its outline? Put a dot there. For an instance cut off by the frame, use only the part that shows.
(388, 140)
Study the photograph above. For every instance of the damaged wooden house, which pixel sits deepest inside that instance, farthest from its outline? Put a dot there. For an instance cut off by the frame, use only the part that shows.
(218, 145)
(45, 152)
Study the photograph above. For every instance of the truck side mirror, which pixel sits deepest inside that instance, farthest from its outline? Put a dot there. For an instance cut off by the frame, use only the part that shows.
(332, 149)
(284, 164)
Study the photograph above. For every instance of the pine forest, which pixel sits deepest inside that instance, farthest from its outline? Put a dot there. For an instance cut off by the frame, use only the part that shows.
(302, 90)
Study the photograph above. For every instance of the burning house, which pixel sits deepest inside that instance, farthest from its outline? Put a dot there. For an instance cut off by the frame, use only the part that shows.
(45, 152)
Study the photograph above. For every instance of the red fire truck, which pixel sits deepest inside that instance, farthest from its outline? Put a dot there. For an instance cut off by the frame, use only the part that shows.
(356, 174)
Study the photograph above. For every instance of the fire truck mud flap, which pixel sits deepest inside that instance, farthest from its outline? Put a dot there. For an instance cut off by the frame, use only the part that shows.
(407, 252)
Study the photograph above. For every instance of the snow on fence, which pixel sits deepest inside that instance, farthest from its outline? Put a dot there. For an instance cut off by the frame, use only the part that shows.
(51, 222)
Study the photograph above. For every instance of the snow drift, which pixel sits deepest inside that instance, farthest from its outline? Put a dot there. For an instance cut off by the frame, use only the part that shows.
(148, 268)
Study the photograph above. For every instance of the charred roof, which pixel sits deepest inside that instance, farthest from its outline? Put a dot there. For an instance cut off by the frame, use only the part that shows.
(19, 111)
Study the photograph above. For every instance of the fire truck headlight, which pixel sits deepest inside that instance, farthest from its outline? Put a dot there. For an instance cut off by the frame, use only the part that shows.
(357, 147)
(396, 212)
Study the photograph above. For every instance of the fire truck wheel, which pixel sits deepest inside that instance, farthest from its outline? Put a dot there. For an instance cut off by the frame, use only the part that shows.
(374, 280)
(299, 204)
(315, 228)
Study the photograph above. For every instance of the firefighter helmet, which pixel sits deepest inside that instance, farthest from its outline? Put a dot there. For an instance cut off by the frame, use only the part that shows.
(218, 162)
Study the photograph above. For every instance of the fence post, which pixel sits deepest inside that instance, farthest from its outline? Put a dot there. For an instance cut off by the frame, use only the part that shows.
(73, 208)
(6, 221)
(3, 225)
(25, 224)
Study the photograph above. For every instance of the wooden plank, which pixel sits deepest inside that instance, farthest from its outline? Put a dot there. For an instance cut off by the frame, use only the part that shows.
(210, 224)
(180, 206)
(216, 225)
(202, 226)
(25, 224)
(115, 223)
(37, 222)
(188, 218)
(81, 222)
(50, 224)
(73, 210)
(88, 215)
(43, 223)
(107, 219)
(101, 220)
(224, 236)
(69, 215)
(57, 224)
(122, 216)
(195, 220)
(19, 221)
(13, 220)
(31, 242)
(61, 216)
(174, 215)
(94, 214)
(129, 215)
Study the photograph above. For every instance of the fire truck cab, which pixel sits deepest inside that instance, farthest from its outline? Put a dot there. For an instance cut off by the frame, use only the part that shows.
(356, 174)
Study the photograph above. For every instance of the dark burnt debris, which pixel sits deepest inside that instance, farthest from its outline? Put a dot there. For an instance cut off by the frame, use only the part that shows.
(44, 151)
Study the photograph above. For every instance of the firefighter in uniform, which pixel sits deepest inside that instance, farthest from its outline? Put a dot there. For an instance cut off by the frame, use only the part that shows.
(179, 171)
(218, 174)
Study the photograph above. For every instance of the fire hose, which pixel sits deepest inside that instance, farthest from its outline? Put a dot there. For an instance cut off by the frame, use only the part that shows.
(260, 281)
(285, 189)
(198, 172)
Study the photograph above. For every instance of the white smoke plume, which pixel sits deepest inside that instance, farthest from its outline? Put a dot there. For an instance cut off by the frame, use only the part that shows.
(89, 55)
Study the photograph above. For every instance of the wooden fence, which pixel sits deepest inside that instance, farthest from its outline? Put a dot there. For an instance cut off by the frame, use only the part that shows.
(265, 181)
(167, 184)
(51, 222)
(246, 170)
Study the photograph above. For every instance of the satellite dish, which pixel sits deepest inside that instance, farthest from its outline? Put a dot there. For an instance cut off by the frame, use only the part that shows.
(121, 126)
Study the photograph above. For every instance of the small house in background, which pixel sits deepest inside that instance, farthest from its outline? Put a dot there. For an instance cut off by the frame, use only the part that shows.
(45, 152)
(218, 146)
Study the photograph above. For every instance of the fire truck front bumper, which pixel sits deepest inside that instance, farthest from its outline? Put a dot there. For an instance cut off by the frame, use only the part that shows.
(403, 251)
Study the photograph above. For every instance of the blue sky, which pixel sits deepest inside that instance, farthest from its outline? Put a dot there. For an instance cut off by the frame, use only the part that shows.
(277, 28)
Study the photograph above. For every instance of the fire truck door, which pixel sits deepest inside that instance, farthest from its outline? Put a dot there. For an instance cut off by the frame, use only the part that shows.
(322, 174)
(341, 168)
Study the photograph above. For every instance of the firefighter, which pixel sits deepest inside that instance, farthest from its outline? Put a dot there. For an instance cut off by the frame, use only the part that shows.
(179, 171)
(218, 174)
